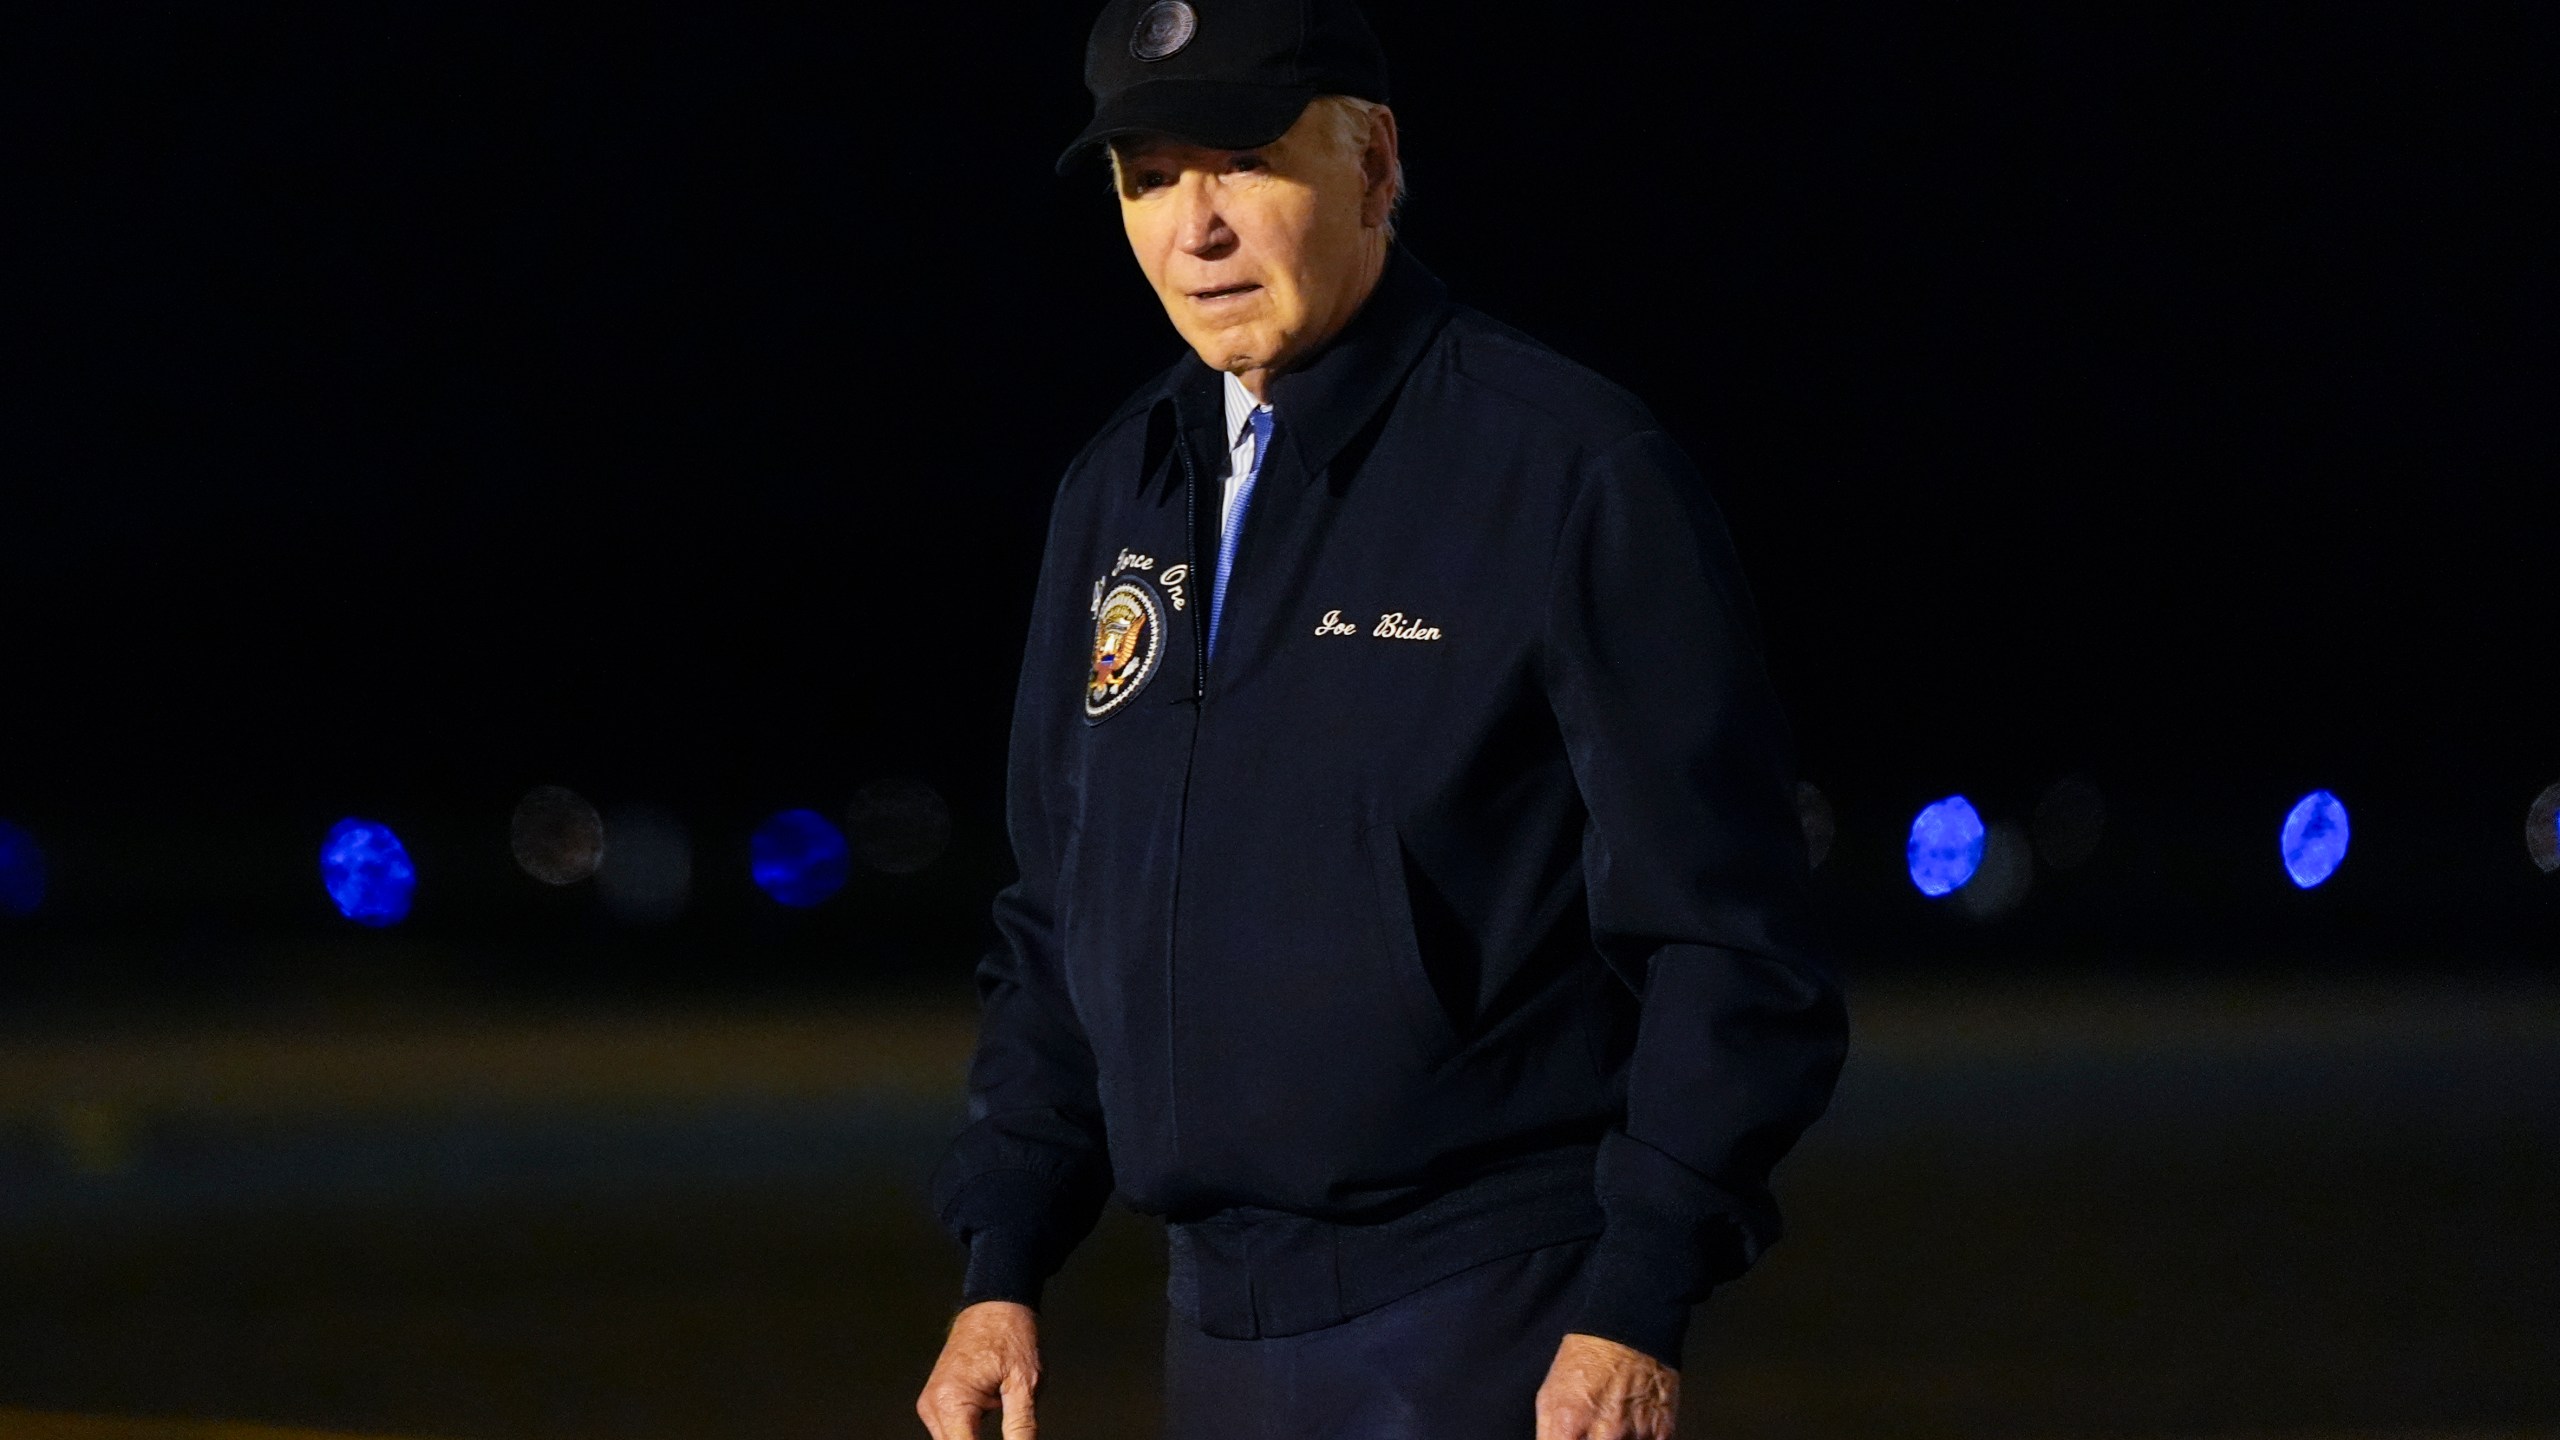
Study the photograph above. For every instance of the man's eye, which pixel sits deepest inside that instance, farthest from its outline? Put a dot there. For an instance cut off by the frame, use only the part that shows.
(1245, 162)
(1147, 180)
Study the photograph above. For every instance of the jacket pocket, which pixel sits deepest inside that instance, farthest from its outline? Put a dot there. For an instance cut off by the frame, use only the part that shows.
(1399, 946)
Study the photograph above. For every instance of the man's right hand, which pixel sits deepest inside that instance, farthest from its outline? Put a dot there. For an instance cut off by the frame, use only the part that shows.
(990, 1361)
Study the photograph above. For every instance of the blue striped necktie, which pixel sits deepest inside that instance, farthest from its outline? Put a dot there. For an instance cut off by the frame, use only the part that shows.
(1260, 419)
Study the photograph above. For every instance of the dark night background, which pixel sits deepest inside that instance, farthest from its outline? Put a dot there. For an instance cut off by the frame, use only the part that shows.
(412, 404)
(419, 403)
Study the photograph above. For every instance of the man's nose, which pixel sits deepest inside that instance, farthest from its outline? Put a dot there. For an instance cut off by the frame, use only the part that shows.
(1202, 230)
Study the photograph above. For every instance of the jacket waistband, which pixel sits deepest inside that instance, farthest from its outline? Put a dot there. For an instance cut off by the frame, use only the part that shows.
(1249, 1273)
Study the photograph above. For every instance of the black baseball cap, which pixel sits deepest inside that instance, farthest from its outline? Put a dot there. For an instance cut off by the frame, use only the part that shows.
(1228, 74)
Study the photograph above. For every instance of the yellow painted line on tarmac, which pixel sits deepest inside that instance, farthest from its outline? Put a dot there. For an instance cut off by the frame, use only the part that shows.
(90, 1085)
(32, 1425)
(2078, 1018)
(467, 1062)
(2382, 1436)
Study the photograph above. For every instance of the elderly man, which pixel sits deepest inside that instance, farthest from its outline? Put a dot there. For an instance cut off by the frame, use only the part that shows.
(1410, 898)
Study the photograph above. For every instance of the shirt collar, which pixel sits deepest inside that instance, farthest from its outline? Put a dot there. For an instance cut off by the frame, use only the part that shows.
(1240, 408)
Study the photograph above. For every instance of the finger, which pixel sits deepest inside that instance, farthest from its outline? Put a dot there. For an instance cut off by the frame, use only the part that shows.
(1018, 1424)
(955, 1420)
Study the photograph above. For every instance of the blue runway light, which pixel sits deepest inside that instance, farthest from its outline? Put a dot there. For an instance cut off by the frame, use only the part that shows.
(367, 872)
(800, 858)
(2542, 831)
(2314, 838)
(1946, 846)
(21, 871)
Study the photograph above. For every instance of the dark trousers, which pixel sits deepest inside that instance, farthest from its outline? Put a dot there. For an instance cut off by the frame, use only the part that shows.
(1459, 1359)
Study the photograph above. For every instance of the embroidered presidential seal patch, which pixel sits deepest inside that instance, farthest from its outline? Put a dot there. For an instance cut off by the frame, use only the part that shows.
(1128, 638)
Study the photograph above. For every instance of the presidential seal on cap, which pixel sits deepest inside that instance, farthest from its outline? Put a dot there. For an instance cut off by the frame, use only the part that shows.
(1228, 74)
(1166, 27)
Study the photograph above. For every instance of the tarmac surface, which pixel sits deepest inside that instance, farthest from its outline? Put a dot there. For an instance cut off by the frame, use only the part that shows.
(2203, 1211)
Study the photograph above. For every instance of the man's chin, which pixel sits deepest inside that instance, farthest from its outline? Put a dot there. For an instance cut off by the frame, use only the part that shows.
(1226, 357)
(1235, 353)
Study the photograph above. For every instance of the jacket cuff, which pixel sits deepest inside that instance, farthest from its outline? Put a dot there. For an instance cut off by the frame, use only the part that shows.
(1004, 1264)
(1637, 1290)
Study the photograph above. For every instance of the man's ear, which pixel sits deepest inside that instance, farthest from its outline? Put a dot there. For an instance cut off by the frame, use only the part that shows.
(1378, 169)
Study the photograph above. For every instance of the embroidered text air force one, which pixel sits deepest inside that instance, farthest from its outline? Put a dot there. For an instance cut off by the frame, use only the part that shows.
(1456, 910)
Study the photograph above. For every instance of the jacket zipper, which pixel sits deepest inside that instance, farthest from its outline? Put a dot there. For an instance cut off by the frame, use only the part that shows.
(1182, 806)
(1191, 538)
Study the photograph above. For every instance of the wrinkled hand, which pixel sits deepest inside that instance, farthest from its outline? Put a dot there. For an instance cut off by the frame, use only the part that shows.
(990, 1360)
(1601, 1390)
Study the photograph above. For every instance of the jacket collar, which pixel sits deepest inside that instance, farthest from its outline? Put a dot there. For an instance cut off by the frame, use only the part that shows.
(1326, 400)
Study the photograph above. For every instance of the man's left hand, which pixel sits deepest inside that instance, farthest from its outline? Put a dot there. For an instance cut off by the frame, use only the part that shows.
(1601, 1390)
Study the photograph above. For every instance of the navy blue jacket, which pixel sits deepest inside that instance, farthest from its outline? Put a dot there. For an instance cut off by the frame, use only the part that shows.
(1456, 909)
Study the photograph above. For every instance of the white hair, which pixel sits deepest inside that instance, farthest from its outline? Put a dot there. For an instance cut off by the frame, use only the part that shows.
(1345, 124)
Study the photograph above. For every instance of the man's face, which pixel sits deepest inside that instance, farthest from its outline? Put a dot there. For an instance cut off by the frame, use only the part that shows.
(1258, 255)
